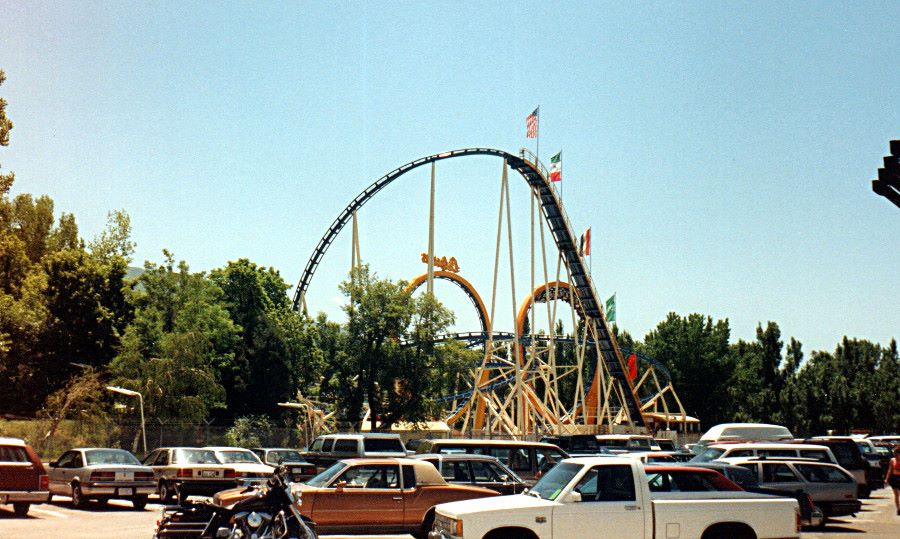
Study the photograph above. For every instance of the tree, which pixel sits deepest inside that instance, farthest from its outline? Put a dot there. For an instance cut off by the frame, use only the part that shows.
(181, 337)
(115, 240)
(757, 381)
(378, 314)
(273, 357)
(6, 125)
(695, 349)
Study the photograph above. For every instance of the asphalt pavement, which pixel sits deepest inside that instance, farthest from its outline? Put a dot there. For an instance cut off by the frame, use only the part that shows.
(118, 520)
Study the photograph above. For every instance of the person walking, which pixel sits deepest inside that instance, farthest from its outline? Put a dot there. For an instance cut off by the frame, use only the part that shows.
(892, 477)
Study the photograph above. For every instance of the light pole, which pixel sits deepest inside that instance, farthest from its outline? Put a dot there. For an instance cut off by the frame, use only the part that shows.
(132, 393)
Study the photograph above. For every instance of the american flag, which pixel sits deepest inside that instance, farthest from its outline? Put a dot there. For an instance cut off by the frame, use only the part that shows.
(531, 124)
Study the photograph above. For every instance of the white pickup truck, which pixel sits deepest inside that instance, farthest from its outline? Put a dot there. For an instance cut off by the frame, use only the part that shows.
(609, 498)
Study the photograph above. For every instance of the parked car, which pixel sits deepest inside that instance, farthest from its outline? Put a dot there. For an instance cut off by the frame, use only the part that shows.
(379, 496)
(687, 479)
(766, 449)
(810, 515)
(185, 471)
(479, 470)
(651, 457)
(885, 441)
(850, 458)
(23, 480)
(666, 444)
(101, 474)
(626, 442)
(248, 469)
(742, 432)
(298, 470)
(831, 487)
(330, 448)
(610, 497)
(576, 444)
(878, 462)
(528, 459)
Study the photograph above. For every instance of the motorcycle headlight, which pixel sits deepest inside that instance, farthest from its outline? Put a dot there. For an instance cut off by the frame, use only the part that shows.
(254, 519)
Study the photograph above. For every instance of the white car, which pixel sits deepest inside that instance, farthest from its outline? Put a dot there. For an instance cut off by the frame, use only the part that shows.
(248, 469)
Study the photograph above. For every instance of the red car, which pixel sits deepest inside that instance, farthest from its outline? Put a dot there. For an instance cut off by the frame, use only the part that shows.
(23, 480)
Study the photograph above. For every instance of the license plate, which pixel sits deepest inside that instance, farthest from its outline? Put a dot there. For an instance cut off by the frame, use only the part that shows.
(124, 476)
(208, 473)
(126, 492)
(298, 471)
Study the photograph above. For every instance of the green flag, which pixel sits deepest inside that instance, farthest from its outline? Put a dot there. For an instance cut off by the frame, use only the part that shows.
(611, 308)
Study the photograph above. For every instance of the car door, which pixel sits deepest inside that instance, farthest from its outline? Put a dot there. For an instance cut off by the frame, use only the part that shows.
(608, 499)
(488, 475)
(779, 475)
(363, 497)
(57, 474)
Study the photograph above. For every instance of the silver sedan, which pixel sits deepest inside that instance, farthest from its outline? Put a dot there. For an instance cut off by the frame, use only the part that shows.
(101, 474)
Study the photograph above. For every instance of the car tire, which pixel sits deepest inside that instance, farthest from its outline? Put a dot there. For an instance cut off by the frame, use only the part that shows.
(427, 524)
(139, 502)
(78, 500)
(21, 508)
(180, 496)
(166, 492)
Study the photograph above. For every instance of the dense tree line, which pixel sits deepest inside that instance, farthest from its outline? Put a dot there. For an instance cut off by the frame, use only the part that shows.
(226, 345)
(855, 387)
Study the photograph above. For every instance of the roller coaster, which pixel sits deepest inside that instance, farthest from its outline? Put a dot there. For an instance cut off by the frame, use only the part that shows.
(523, 386)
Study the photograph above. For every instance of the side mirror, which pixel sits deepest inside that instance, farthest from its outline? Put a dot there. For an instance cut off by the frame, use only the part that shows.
(340, 486)
(54, 463)
(504, 478)
(572, 497)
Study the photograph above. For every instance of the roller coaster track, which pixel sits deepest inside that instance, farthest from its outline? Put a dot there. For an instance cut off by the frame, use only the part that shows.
(563, 234)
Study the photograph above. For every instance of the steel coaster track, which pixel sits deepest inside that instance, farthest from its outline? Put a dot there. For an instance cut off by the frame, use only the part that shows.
(560, 227)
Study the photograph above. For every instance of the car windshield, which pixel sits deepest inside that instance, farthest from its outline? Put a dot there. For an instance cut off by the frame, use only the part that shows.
(284, 456)
(552, 483)
(231, 457)
(110, 456)
(708, 455)
(195, 456)
(323, 478)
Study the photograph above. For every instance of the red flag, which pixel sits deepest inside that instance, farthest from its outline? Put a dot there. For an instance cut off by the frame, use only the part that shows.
(632, 366)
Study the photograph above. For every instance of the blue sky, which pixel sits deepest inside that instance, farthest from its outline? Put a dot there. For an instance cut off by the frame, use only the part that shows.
(722, 152)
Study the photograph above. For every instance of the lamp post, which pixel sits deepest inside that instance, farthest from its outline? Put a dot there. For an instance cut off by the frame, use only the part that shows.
(132, 393)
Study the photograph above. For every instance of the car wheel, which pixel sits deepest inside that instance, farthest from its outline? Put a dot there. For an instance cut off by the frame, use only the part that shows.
(427, 524)
(21, 508)
(77, 497)
(139, 502)
(166, 493)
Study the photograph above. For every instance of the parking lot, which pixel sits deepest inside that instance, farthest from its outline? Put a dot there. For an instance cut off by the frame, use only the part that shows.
(118, 520)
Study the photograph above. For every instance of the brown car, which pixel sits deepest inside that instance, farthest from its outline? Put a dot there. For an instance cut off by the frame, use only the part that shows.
(375, 496)
(23, 480)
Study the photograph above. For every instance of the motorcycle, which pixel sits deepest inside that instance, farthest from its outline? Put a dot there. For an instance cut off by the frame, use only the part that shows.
(271, 511)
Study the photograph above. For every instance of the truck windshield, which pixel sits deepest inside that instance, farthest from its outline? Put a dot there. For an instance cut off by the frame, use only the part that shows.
(552, 483)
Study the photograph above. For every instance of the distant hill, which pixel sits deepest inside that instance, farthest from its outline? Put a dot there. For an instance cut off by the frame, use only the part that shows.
(133, 273)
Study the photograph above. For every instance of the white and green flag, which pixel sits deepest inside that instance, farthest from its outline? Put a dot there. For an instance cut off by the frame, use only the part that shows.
(611, 308)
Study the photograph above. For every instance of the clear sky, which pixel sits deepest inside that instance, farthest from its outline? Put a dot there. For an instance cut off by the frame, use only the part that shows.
(722, 152)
